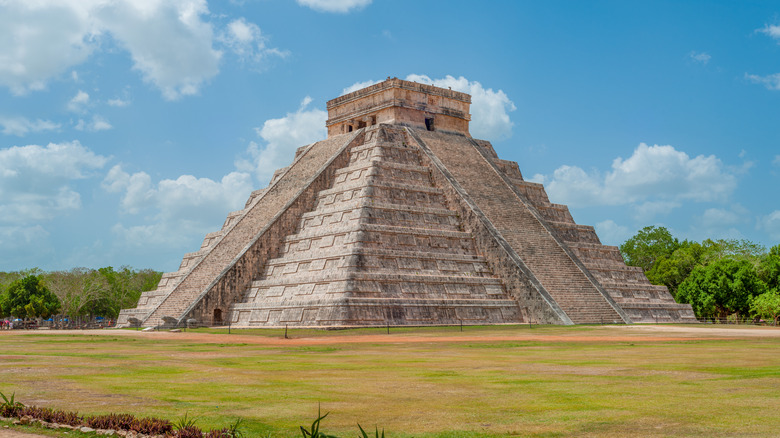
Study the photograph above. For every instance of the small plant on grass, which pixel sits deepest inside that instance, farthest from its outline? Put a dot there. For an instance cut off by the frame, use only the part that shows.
(376, 431)
(234, 429)
(314, 432)
(184, 422)
(10, 407)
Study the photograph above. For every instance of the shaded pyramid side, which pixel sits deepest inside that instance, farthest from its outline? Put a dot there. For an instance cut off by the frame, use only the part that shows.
(380, 246)
(628, 286)
(211, 279)
(523, 234)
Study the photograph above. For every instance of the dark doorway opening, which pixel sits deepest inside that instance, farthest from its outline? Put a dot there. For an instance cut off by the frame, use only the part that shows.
(429, 123)
(217, 316)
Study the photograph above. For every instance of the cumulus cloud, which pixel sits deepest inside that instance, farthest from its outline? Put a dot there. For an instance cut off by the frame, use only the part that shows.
(118, 102)
(719, 218)
(97, 123)
(79, 102)
(654, 180)
(610, 233)
(171, 42)
(35, 181)
(772, 31)
(358, 86)
(776, 161)
(489, 109)
(21, 126)
(23, 246)
(247, 41)
(339, 6)
(42, 39)
(180, 209)
(282, 137)
(700, 57)
(771, 82)
(771, 224)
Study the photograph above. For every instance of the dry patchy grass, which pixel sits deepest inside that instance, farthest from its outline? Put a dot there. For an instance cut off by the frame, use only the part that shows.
(485, 381)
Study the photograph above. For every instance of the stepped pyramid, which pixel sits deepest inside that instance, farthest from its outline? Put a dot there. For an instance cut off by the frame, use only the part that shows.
(399, 217)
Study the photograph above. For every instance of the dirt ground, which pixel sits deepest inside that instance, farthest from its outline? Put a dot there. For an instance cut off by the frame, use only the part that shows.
(627, 333)
(9, 433)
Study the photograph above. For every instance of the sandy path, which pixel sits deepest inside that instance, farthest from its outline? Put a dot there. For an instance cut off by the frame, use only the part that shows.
(9, 433)
(633, 333)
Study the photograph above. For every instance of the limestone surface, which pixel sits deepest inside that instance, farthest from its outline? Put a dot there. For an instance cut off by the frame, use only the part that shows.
(401, 218)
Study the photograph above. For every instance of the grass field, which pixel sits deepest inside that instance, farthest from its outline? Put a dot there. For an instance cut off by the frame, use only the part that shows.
(435, 382)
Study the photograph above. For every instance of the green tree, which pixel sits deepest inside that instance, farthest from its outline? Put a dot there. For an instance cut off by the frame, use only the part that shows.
(767, 306)
(721, 288)
(30, 298)
(647, 246)
(769, 268)
(124, 288)
(672, 270)
(77, 289)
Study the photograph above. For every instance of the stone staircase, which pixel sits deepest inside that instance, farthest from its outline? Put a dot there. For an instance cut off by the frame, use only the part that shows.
(627, 285)
(487, 180)
(201, 271)
(380, 246)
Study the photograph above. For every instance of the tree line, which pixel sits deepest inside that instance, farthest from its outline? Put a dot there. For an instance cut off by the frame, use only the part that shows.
(719, 278)
(78, 293)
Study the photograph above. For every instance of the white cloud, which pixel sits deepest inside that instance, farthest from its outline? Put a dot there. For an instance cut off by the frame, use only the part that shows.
(247, 42)
(79, 102)
(168, 40)
(772, 30)
(771, 82)
(610, 233)
(489, 109)
(700, 57)
(98, 123)
(35, 180)
(118, 102)
(181, 209)
(283, 136)
(42, 39)
(776, 161)
(21, 126)
(654, 179)
(339, 6)
(23, 246)
(646, 211)
(771, 224)
(719, 218)
(358, 86)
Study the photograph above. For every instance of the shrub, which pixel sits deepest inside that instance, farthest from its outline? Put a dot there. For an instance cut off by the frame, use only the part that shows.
(151, 426)
(110, 421)
(9, 407)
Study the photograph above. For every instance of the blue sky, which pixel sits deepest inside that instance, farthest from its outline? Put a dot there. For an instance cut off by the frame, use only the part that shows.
(129, 129)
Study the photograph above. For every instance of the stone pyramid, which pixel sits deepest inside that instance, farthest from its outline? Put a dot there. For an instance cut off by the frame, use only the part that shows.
(399, 217)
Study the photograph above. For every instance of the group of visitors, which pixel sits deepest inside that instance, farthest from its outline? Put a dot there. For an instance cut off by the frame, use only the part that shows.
(6, 324)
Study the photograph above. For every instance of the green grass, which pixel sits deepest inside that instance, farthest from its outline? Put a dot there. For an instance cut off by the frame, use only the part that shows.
(521, 387)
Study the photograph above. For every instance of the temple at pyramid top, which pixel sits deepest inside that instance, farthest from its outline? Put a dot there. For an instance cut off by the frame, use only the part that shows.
(400, 102)
(400, 217)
